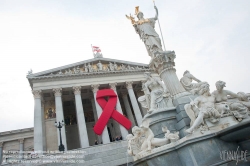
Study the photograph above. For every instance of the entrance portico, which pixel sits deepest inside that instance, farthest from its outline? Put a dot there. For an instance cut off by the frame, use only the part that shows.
(71, 97)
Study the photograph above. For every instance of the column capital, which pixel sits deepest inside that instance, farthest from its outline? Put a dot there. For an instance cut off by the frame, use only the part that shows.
(95, 87)
(113, 86)
(1, 144)
(129, 85)
(77, 90)
(57, 91)
(37, 94)
(21, 140)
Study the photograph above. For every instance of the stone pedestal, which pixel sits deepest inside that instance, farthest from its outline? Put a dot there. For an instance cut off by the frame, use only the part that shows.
(220, 145)
(204, 150)
(182, 119)
(161, 118)
(163, 64)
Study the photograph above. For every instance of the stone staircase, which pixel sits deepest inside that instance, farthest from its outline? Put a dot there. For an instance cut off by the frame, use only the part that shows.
(112, 154)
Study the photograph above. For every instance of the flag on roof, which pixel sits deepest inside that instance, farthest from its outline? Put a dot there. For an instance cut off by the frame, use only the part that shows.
(96, 49)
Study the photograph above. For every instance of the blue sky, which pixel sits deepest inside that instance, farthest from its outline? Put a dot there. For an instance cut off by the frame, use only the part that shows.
(211, 40)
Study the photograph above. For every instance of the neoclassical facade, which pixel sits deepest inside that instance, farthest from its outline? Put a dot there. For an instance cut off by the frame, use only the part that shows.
(68, 93)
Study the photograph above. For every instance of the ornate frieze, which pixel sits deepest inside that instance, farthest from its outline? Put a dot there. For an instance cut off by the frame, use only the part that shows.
(57, 91)
(99, 66)
(95, 87)
(77, 90)
(129, 85)
(37, 94)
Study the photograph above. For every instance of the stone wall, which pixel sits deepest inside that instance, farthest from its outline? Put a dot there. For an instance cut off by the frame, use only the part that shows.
(72, 136)
(51, 134)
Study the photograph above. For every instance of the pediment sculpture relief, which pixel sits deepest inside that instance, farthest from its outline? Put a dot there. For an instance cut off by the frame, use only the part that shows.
(97, 67)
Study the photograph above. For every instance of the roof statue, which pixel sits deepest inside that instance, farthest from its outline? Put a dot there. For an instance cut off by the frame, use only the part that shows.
(145, 29)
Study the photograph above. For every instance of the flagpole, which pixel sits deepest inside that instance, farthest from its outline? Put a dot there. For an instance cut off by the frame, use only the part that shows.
(160, 29)
(92, 50)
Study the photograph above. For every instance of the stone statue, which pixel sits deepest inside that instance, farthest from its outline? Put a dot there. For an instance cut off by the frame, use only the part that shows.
(60, 72)
(243, 99)
(122, 67)
(144, 141)
(90, 68)
(111, 66)
(77, 70)
(106, 68)
(98, 55)
(186, 82)
(138, 68)
(86, 68)
(128, 67)
(30, 72)
(238, 108)
(145, 29)
(156, 94)
(203, 107)
(99, 66)
(69, 71)
(115, 66)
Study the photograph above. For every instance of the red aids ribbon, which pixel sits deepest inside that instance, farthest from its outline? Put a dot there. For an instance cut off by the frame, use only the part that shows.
(109, 111)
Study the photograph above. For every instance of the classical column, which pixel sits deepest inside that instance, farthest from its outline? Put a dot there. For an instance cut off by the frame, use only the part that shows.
(163, 63)
(43, 126)
(38, 124)
(128, 109)
(60, 116)
(21, 148)
(124, 131)
(99, 138)
(135, 105)
(83, 134)
(1, 152)
(105, 134)
(143, 110)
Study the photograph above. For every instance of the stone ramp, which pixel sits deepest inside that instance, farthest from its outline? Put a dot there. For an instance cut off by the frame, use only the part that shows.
(112, 154)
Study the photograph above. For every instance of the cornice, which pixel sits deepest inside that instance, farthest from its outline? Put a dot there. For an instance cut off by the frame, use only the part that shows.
(17, 131)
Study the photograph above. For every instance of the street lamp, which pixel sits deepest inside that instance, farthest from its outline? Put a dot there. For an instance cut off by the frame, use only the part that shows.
(59, 126)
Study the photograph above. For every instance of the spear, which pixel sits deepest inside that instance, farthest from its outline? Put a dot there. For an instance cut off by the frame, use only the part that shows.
(160, 29)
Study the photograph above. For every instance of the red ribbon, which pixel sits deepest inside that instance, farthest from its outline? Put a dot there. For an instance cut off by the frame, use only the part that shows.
(109, 111)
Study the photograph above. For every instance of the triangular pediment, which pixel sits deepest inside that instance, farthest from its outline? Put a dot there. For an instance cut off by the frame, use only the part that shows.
(91, 66)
